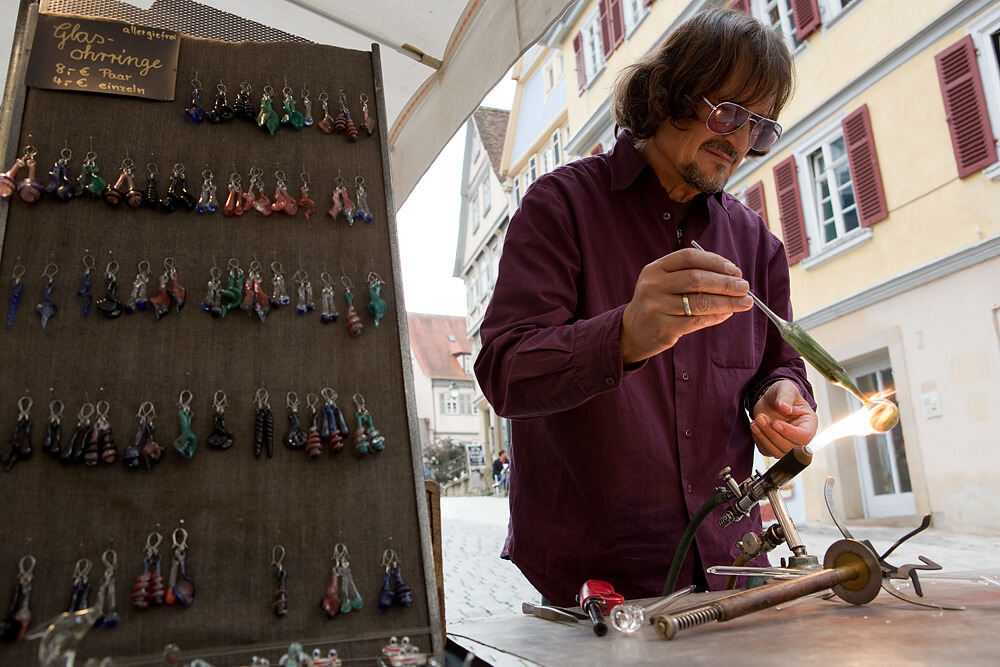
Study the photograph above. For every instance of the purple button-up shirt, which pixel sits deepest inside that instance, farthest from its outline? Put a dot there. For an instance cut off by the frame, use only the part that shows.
(608, 465)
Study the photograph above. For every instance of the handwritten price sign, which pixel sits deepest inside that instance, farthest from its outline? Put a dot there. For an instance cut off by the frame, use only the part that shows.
(103, 56)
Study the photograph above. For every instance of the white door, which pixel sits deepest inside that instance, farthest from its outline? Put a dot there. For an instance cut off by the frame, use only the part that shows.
(885, 476)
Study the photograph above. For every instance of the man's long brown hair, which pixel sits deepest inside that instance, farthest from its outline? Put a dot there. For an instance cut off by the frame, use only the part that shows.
(696, 59)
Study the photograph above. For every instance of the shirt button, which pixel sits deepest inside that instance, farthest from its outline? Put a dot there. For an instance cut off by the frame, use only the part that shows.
(609, 381)
(690, 488)
(685, 376)
(687, 432)
(666, 215)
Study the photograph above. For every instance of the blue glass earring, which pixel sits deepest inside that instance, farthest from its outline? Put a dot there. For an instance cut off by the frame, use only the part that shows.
(194, 112)
(47, 308)
(16, 291)
(106, 593)
(85, 281)
(59, 184)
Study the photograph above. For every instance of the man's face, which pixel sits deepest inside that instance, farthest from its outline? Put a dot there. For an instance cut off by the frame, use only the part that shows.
(700, 158)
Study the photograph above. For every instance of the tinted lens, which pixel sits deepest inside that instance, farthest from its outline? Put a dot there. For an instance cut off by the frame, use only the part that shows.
(763, 134)
(727, 118)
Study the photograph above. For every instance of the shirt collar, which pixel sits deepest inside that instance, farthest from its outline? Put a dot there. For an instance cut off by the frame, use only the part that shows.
(627, 163)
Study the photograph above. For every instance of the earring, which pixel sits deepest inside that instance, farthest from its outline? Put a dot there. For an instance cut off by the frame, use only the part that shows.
(152, 198)
(279, 293)
(354, 324)
(366, 436)
(85, 281)
(242, 106)
(330, 432)
(363, 212)
(47, 308)
(195, 112)
(330, 604)
(326, 123)
(177, 192)
(15, 626)
(253, 293)
(231, 296)
(138, 299)
(376, 304)
(109, 304)
(295, 437)
(307, 205)
(259, 200)
(329, 312)
(186, 443)
(19, 447)
(282, 200)
(366, 122)
(29, 189)
(53, 433)
(338, 205)
(290, 115)
(307, 116)
(81, 585)
(234, 201)
(16, 291)
(314, 441)
(149, 450)
(281, 596)
(212, 298)
(100, 442)
(78, 442)
(114, 194)
(266, 117)
(59, 184)
(351, 596)
(221, 110)
(181, 590)
(386, 596)
(220, 437)
(164, 295)
(148, 590)
(89, 181)
(343, 122)
(106, 593)
(346, 199)
(305, 292)
(130, 455)
(263, 431)
(207, 203)
(8, 186)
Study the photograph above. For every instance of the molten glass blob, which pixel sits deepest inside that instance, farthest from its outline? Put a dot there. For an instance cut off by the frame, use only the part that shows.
(883, 415)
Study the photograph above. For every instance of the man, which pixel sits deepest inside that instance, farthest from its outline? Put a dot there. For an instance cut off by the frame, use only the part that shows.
(626, 359)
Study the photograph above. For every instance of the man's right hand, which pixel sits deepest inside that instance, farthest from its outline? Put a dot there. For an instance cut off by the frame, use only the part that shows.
(655, 319)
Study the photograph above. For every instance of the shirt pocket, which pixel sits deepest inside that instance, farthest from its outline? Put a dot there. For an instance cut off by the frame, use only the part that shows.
(739, 341)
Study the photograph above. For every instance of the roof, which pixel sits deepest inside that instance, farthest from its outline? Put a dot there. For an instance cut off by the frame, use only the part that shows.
(435, 341)
(492, 126)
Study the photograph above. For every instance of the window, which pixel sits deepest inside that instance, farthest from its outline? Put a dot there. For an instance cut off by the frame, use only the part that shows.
(552, 72)
(833, 194)
(779, 15)
(831, 9)
(592, 49)
(449, 404)
(635, 11)
(547, 165)
(556, 151)
(533, 168)
(495, 258)
(472, 290)
(484, 276)
(485, 194)
(474, 213)
(477, 146)
(465, 361)
(517, 191)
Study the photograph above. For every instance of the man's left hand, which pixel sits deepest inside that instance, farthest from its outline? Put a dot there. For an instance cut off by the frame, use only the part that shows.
(782, 419)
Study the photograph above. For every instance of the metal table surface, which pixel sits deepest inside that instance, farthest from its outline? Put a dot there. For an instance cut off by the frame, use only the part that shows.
(887, 631)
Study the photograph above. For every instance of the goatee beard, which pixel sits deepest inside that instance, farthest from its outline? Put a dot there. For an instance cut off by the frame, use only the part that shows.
(703, 182)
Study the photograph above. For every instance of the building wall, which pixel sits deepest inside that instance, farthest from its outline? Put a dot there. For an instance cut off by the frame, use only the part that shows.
(538, 109)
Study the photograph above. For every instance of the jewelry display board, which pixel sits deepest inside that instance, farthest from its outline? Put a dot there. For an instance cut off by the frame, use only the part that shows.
(235, 507)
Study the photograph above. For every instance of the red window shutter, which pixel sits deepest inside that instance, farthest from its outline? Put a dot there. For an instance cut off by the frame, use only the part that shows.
(793, 222)
(647, 2)
(865, 174)
(617, 23)
(581, 70)
(741, 5)
(607, 41)
(755, 200)
(965, 107)
(806, 16)
(597, 150)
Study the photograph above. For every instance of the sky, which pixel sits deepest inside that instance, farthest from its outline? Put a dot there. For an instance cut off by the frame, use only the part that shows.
(427, 226)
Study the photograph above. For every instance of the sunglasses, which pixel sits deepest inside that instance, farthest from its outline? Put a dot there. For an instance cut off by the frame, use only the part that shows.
(728, 117)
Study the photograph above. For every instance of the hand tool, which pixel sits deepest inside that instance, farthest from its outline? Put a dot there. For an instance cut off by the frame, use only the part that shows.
(597, 597)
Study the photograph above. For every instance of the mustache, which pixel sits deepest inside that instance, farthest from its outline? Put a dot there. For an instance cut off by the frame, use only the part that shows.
(721, 146)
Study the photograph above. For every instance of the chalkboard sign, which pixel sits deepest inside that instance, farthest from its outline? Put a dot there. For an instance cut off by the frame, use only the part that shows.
(103, 56)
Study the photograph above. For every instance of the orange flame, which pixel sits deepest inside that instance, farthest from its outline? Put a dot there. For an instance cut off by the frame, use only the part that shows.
(855, 424)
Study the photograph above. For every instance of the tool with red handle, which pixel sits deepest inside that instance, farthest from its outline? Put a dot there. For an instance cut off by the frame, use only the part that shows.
(597, 598)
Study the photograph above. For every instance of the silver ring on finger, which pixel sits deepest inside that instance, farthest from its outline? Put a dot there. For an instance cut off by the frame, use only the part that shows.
(687, 305)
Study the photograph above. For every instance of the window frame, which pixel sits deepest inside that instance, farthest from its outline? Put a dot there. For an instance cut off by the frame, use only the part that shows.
(632, 17)
(758, 9)
(592, 47)
(517, 191)
(820, 252)
(474, 210)
(831, 13)
(485, 195)
(981, 30)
